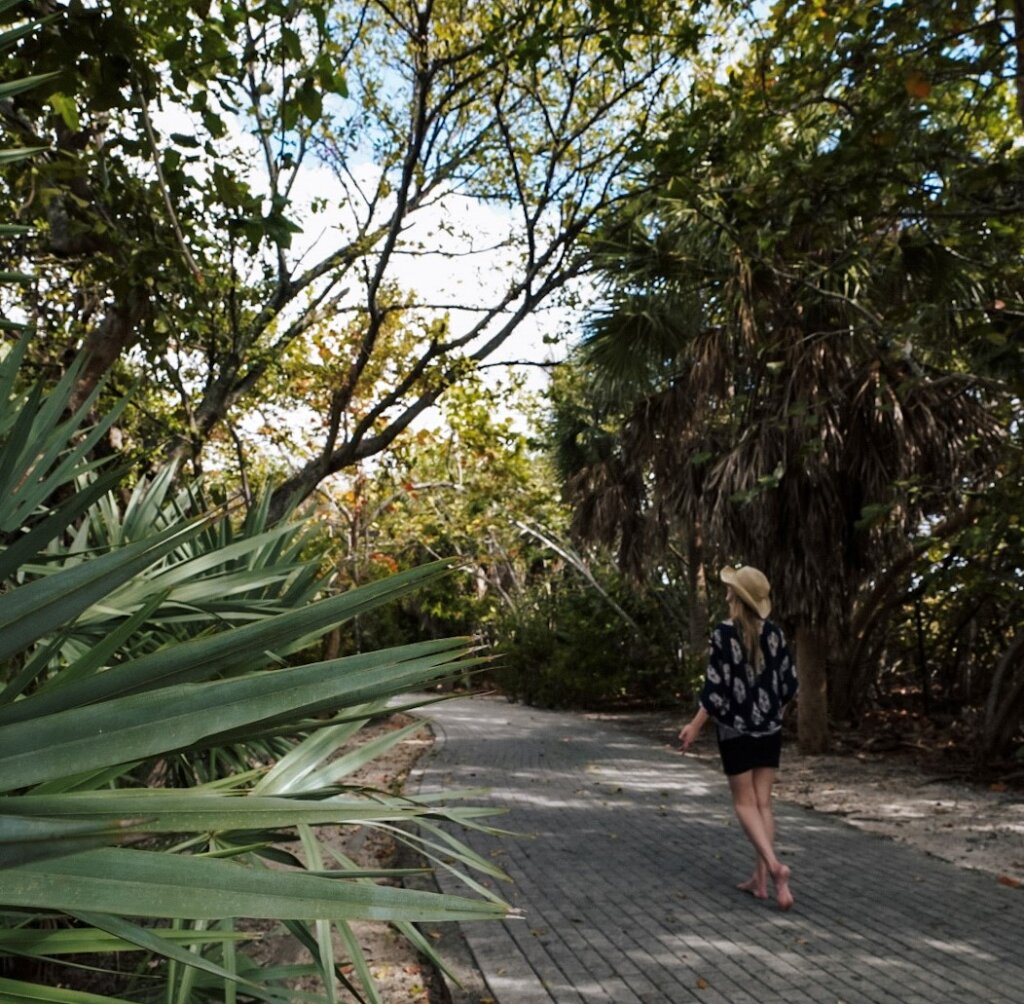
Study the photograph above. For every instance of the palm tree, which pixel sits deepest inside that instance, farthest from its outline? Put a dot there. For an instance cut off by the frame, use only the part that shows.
(784, 358)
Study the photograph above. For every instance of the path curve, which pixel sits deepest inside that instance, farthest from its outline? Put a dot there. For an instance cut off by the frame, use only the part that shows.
(625, 872)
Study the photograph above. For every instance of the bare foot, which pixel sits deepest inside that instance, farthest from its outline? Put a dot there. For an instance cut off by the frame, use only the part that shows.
(782, 894)
(756, 886)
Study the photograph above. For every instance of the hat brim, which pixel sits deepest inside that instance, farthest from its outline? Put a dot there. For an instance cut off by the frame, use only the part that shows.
(730, 577)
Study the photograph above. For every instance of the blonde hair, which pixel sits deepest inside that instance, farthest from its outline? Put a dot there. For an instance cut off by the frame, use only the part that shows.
(749, 624)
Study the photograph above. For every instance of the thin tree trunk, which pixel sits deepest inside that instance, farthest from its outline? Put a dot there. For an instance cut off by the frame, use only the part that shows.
(697, 584)
(1005, 704)
(330, 646)
(812, 710)
(1018, 39)
(922, 656)
(848, 684)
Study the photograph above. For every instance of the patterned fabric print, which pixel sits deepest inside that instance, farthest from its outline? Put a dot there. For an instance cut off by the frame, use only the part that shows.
(738, 697)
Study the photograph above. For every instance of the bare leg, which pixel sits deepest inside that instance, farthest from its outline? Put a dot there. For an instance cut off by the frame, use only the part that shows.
(751, 797)
(764, 779)
(757, 884)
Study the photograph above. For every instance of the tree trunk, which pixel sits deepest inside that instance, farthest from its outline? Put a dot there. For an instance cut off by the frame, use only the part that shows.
(1018, 38)
(696, 581)
(812, 709)
(105, 344)
(1004, 706)
(846, 687)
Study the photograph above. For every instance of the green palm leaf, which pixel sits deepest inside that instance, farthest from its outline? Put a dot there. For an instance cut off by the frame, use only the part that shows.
(145, 725)
(152, 884)
(19, 992)
(25, 839)
(35, 539)
(29, 612)
(161, 943)
(345, 764)
(163, 810)
(42, 943)
(195, 659)
(294, 767)
(119, 658)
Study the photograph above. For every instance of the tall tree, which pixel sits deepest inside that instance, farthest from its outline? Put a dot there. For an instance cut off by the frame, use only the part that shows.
(802, 322)
(197, 128)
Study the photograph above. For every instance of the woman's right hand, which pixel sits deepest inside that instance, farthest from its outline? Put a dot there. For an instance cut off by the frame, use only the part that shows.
(688, 734)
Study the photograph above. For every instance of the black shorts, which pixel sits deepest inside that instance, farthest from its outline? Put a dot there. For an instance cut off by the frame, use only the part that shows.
(744, 753)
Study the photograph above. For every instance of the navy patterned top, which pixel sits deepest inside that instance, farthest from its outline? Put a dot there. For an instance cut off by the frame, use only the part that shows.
(740, 700)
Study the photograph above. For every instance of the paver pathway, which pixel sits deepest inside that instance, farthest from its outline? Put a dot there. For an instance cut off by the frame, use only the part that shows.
(626, 869)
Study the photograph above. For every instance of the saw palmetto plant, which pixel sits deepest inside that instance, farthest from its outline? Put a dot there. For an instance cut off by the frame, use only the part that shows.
(143, 638)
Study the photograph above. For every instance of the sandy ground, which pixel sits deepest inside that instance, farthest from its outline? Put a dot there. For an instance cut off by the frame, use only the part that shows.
(971, 825)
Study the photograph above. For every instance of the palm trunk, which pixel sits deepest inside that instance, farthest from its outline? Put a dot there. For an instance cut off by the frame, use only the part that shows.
(696, 581)
(812, 710)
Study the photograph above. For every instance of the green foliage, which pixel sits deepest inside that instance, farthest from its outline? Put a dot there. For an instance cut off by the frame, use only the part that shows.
(138, 635)
(953, 632)
(564, 645)
(479, 489)
(461, 490)
(12, 155)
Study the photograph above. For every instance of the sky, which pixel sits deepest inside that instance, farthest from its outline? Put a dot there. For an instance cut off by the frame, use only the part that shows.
(457, 279)
(452, 279)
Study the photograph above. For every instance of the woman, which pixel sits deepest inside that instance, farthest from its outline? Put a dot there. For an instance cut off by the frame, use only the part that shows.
(750, 679)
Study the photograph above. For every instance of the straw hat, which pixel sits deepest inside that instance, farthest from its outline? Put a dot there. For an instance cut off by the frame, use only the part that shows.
(751, 586)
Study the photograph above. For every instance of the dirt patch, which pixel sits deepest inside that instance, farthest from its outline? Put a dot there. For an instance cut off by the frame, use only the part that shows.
(971, 825)
(906, 794)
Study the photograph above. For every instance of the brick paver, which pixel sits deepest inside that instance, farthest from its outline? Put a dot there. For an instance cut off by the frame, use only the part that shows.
(625, 866)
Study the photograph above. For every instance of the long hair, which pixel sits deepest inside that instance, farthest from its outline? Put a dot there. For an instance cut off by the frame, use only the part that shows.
(750, 630)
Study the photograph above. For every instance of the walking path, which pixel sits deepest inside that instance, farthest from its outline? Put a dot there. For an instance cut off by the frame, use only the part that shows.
(625, 873)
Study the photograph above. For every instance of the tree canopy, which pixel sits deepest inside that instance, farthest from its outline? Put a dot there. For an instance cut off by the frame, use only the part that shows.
(229, 187)
(791, 231)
